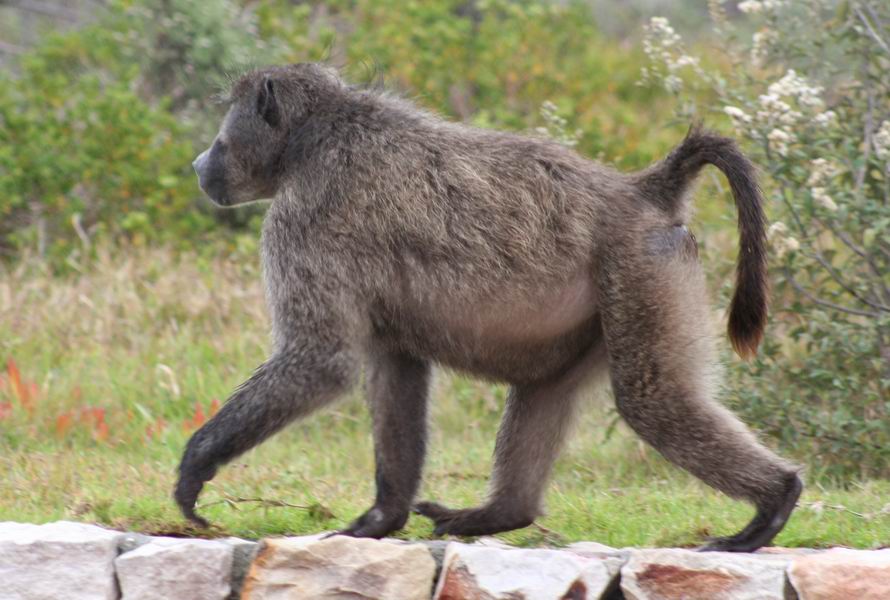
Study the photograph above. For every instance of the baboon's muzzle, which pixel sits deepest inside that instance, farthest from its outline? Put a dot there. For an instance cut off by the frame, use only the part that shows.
(209, 168)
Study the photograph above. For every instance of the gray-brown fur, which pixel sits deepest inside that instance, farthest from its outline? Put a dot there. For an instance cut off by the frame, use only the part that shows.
(397, 240)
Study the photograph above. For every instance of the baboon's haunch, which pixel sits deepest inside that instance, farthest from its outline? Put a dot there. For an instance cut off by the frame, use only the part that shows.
(397, 240)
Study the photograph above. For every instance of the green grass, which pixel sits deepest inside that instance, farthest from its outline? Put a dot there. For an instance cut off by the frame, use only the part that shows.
(145, 335)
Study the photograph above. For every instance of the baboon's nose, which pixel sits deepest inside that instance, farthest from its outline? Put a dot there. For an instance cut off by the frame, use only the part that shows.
(198, 163)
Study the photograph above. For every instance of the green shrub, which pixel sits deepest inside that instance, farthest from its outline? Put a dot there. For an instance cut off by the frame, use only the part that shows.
(98, 126)
(810, 94)
(81, 156)
(492, 62)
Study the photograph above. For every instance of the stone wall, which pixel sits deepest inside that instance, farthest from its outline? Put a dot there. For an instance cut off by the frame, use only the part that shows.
(75, 561)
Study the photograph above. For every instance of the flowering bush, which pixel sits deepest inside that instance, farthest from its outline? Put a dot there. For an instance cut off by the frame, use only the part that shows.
(808, 89)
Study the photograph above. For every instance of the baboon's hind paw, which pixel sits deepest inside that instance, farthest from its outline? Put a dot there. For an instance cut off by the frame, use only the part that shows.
(485, 520)
(764, 527)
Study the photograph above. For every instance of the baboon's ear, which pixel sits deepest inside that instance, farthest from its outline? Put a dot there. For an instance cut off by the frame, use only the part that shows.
(267, 104)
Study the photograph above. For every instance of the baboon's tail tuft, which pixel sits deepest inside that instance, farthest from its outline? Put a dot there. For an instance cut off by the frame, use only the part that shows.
(665, 184)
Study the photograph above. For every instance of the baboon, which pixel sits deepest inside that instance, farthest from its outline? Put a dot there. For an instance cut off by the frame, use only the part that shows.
(397, 240)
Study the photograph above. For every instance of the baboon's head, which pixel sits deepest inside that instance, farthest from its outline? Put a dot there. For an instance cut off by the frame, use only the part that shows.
(266, 108)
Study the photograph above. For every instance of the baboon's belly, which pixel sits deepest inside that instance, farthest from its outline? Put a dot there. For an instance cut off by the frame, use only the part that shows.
(516, 340)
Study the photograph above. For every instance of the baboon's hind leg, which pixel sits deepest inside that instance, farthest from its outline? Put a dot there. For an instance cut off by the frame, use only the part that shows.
(535, 423)
(656, 324)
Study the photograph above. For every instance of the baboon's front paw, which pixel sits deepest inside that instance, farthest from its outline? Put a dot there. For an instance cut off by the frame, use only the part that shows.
(376, 523)
(188, 488)
(186, 496)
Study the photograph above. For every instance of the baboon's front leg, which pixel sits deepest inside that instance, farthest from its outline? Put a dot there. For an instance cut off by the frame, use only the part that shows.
(291, 384)
(397, 394)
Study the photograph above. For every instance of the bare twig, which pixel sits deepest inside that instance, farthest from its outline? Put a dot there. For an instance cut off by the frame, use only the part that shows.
(783, 192)
(833, 438)
(868, 129)
(550, 534)
(862, 252)
(847, 288)
(849, 310)
(233, 501)
(77, 223)
(818, 506)
(871, 31)
(876, 17)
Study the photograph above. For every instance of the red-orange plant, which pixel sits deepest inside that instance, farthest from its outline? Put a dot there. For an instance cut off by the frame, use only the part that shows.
(22, 390)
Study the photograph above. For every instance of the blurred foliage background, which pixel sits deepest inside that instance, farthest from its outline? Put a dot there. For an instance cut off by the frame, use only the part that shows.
(104, 103)
(98, 120)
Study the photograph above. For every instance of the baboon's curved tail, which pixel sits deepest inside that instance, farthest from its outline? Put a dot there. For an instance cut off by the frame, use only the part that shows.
(665, 183)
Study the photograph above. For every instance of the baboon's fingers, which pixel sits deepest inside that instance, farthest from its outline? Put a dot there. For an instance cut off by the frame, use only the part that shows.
(188, 488)
(431, 510)
(441, 516)
(195, 469)
(485, 520)
(195, 518)
(187, 506)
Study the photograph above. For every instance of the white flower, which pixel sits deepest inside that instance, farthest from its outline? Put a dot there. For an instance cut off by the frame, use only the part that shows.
(821, 197)
(740, 119)
(772, 100)
(881, 141)
(822, 171)
(781, 241)
(789, 117)
(776, 229)
(786, 86)
(779, 140)
(737, 114)
(775, 109)
(792, 85)
(760, 43)
(685, 61)
(750, 6)
(825, 119)
(809, 98)
(673, 84)
(784, 245)
(660, 28)
(664, 48)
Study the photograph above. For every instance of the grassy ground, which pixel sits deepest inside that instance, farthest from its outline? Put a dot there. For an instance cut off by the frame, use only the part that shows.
(110, 369)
